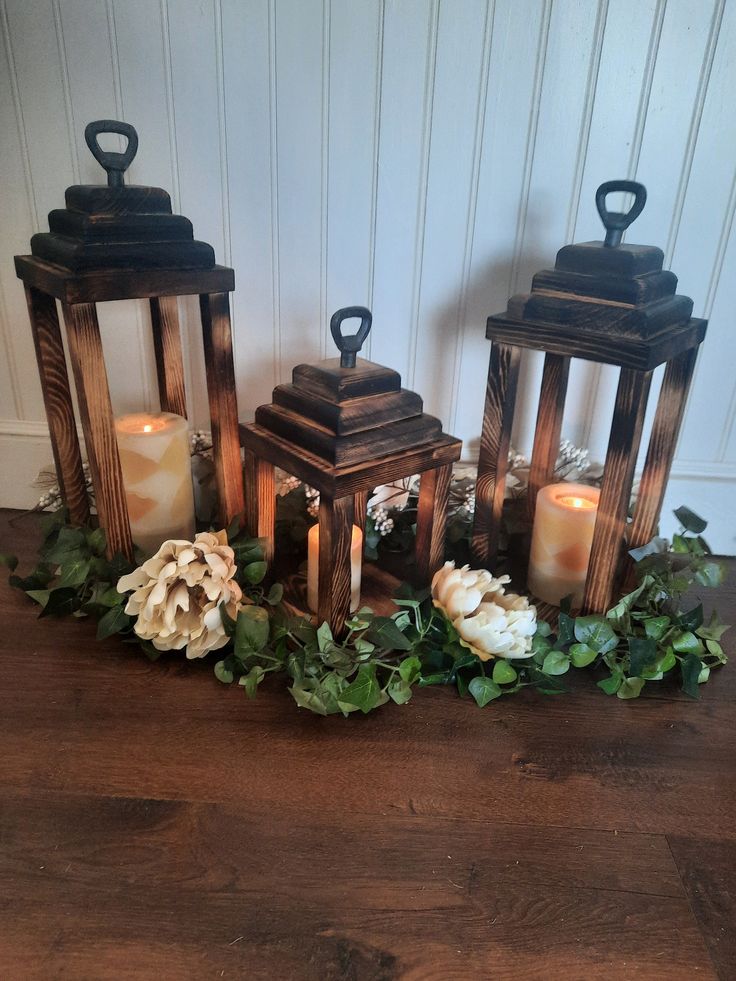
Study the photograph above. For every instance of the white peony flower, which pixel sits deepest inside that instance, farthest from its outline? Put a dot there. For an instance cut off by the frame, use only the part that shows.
(176, 594)
(491, 622)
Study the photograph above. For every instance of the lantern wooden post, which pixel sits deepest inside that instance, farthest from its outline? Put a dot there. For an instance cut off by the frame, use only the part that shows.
(613, 304)
(344, 426)
(114, 242)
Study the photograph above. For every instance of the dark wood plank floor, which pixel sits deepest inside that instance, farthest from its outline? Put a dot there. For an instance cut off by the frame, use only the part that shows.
(154, 824)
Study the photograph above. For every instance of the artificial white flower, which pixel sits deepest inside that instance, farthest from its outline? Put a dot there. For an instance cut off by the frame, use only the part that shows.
(491, 622)
(176, 594)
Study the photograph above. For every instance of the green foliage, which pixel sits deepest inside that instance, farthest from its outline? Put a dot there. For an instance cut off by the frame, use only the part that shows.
(646, 637)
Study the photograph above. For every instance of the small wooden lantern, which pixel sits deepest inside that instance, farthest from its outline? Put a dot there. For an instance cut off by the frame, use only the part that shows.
(344, 426)
(115, 242)
(604, 302)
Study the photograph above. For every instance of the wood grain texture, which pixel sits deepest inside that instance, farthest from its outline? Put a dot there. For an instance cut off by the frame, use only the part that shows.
(260, 501)
(434, 490)
(339, 481)
(430, 841)
(549, 426)
(98, 424)
(638, 289)
(662, 445)
(591, 345)
(360, 503)
(351, 416)
(498, 416)
(218, 359)
(57, 401)
(168, 354)
(335, 537)
(121, 284)
(618, 475)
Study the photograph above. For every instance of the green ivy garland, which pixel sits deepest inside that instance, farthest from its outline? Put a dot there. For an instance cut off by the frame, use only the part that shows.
(646, 637)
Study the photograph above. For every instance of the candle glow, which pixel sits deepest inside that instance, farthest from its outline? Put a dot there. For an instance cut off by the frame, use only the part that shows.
(157, 477)
(564, 521)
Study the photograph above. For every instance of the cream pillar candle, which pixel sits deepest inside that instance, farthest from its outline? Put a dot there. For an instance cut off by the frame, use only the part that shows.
(356, 564)
(157, 475)
(564, 520)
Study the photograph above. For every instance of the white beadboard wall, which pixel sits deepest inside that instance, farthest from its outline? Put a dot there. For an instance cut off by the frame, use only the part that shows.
(421, 157)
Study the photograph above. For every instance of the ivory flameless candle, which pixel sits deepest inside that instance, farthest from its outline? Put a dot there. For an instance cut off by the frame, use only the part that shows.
(157, 476)
(356, 564)
(564, 520)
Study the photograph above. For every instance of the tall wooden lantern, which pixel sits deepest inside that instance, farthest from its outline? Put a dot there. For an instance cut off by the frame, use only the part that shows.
(344, 426)
(605, 302)
(115, 242)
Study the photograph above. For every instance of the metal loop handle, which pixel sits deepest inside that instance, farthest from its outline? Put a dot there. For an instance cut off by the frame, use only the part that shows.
(349, 346)
(113, 162)
(616, 222)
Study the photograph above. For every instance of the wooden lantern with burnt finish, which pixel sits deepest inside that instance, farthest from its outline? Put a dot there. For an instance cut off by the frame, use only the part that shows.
(344, 426)
(611, 303)
(115, 242)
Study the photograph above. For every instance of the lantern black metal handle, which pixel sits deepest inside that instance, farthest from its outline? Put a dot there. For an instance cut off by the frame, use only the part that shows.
(113, 162)
(616, 222)
(349, 346)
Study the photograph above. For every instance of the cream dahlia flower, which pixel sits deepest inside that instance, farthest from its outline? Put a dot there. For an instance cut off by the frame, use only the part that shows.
(491, 622)
(176, 594)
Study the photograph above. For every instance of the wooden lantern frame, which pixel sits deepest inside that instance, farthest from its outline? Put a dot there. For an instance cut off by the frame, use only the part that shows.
(45, 283)
(344, 487)
(646, 301)
(117, 242)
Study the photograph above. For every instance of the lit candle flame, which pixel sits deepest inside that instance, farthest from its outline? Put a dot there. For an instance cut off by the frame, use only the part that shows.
(576, 502)
(148, 428)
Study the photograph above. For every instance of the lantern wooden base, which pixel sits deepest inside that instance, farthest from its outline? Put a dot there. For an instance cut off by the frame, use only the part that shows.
(78, 294)
(343, 497)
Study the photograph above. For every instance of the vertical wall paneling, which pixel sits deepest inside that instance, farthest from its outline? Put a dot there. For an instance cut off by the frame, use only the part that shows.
(424, 157)
(409, 44)
(300, 62)
(350, 168)
(457, 114)
(246, 58)
(518, 38)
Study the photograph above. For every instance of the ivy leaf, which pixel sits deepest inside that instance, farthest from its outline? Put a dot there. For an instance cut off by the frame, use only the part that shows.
(704, 674)
(556, 662)
(715, 629)
(596, 632)
(716, 651)
(503, 672)
(667, 661)
(251, 630)
(686, 642)
(61, 602)
(543, 628)
(690, 668)
(364, 692)
(227, 621)
(324, 637)
(630, 688)
(384, 633)
(581, 655)
(483, 690)
(275, 594)
(40, 596)
(656, 627)
(565, 629)
(642, 656)
(399, 691)
(74, 573)
(410, 669)
(692, 619)
(709, 574)
(657, 546)
(690, 521)
(308, 699)
(223, 673)
(9, 561)
(254, 572)
(252, 680)
(113, 622)
(611, 685)
(97, 541)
